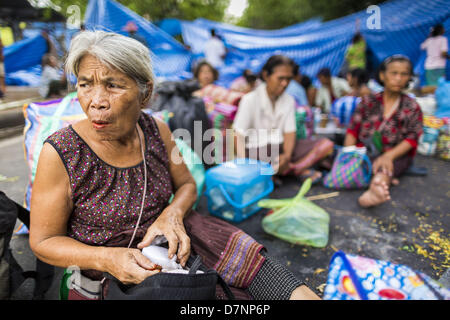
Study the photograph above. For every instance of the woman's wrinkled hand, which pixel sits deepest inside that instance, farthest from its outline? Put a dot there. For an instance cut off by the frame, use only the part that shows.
(384, 164)
(130, 266)
(170, 225)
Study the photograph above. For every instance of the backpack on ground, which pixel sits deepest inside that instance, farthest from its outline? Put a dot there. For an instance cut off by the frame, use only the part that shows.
(11, 273)
(176, 97)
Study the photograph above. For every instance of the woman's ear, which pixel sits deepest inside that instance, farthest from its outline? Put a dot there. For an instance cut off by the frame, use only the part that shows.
(381, 76)
(264, 75)
(148, 96)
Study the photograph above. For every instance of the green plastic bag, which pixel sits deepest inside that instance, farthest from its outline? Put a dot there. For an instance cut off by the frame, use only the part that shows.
(297, 220)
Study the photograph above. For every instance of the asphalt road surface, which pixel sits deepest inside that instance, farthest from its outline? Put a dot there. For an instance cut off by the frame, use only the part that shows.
(412, 229)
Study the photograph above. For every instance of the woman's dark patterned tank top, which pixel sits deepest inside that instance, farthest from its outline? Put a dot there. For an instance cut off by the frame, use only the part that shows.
(107, 199)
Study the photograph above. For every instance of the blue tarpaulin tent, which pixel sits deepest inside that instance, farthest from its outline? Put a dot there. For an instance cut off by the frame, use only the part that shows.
(170, 58)
(401, 27)
(23, 61)
(312, 48)
(23, 58)
(293, 30)
(397, 26)
(170, 26)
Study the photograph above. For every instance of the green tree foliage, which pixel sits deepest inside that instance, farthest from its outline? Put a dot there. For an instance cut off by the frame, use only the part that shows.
(208, 9)
(155, 10)
(275, 14)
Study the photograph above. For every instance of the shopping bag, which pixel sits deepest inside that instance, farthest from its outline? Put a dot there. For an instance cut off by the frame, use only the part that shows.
(304, 119)
(297, 220)
(41, 120)
(352, 277)
(428, 141)
(351, 169)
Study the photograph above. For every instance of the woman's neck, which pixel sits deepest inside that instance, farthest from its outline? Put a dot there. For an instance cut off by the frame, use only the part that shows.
(273, 98)
(390, 96)
(391, 101)
(123, 142)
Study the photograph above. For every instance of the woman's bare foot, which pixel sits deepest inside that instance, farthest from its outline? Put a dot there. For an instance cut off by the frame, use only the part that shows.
(316, 176)
(378, 193)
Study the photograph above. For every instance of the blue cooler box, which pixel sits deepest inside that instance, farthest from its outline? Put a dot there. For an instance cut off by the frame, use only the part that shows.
(233, 188)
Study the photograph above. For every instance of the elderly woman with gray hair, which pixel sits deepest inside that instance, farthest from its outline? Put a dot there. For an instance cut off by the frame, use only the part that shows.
(106, 181)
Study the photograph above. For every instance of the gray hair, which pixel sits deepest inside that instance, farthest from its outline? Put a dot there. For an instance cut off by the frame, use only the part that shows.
(115, 51)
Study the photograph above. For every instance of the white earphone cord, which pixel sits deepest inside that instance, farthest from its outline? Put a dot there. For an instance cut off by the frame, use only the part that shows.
(145, 188)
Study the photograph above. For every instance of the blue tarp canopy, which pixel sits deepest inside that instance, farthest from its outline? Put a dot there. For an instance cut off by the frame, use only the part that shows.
(23, 58)
(170, 57)
(171, 26)
(403, 26)
(23, 61)
(29, 50)
(232, 29)
(312, 48)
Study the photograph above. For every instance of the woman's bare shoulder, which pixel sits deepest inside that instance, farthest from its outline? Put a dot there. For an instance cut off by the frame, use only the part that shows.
(163, 128)
(50, 160)
(52, 180)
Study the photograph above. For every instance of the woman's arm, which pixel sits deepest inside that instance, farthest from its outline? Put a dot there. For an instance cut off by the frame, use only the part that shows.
(399, 150)
(170, 222)
(424, 44)
(350, 140)
(241, 123)
(385, 162)
(239, 144)
(288, 149)
(50, 211)
(289, 143)
(444, 48)
(354, 127)
(51, 207)
(311, 94)
(184, 184)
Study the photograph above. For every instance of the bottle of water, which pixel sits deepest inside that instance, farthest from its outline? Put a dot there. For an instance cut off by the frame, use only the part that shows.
(160, 256)
(317, 117)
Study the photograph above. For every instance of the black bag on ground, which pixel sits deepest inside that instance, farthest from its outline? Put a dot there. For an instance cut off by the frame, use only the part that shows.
(11, 273)
(176, 97)
(170, 286)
